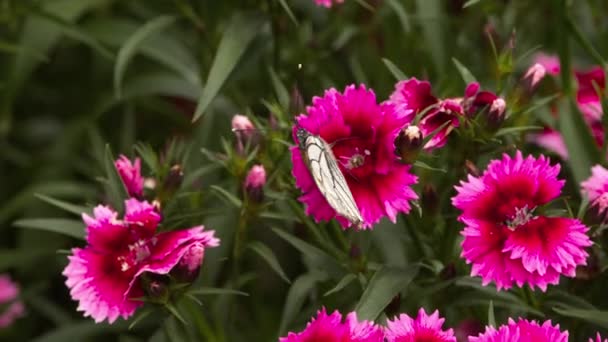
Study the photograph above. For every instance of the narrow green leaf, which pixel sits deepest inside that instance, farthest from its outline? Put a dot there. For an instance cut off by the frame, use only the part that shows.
(466, 75)
(592, 316)
(491, 317)
(17, 257)
(216, 291)
(344, 282)
(67, 227)
(239, 34)
(580, 38)
(83, 331)
(397, 73)
(432, 22)
(131, 45)
(69, 207)
(470, 3)
(317, 256)
(583, 153)
(268, 255)
(382, 288)
(114, 185)
(518, 129)
(426, 166)
(397, 6)
(288, 11)
(301, 287)
(279, 89)
(175, 312)
(230, 198)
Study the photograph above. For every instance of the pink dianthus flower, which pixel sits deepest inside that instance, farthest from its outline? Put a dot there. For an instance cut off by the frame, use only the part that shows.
(522, 331)
(596, 188)
(361, 133)
(331, 328)
(104, 276)
(504, 239)
(11, 307)
(422, 328)
(598, 338)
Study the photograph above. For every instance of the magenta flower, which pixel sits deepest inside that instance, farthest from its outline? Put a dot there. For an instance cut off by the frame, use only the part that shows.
(104, 276)
(330, 328)
(522, 331)
(130, 173)
(328, 3)
(254, 183)
(362, 134)
(504, 239)
(11, 307)
(549, 62)
(598, 338)
(422, 328)
(412, 97)
(596, 188)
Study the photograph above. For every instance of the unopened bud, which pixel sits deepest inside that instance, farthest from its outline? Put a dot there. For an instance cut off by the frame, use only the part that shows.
(534, 75)
(496, 114)
(408, 143)
(174, 179)
(254, 183)
(466, 328)
(156, 287)
(448, 272)
(429, 199)
(189, 266)
(244, 130)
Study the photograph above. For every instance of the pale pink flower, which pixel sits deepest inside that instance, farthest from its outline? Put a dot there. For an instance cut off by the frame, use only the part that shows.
(505, 240)
(522, 331)
(422, 328)
(549, 62)
(596, 188)
(328, 3)
(535, 74)
(11, 306)
(130, 173)
(104, 276)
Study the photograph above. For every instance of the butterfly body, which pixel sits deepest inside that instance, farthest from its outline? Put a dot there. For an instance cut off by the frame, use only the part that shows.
(324, 169)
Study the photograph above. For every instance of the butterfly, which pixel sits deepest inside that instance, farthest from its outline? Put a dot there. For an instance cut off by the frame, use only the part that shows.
(323, 167)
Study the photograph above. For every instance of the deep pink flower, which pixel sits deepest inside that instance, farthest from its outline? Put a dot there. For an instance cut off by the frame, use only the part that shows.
(362, 134)
(475, 101)
(422, 328)
(104, 275)
(596, 188)
(598, 338)
(11, 307)
(503, 237)
(130, 173)
(328, 3)
(330, 328)
(412, 97)
(522, 331)
(551, 140)
(256, 177)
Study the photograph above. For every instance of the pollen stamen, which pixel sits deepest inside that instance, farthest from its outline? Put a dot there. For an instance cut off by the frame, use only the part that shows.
(521, 216)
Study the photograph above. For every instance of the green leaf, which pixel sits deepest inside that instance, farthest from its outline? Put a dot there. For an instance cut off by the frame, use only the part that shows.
(239, 34)
(279, 89)
(518, 129)
(397, 6)
(228, 197)
(397, 73)
(317, 256)
(301, 287)
(426, 166)
(583, 153)
(491, 317)
(470, 3)
(216, 291)
(116, 189)
(69, 207)
(382, 288)
(341, 284)
(83, 331)
(466, 75)
(288, 11)
(67, 227)
(131, 45)
(433, 29)
(592, 316)
(17, 257)
(268, 255)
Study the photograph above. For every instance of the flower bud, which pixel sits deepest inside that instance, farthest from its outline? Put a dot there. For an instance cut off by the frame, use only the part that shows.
(466, 328)
(244, 131)
(496, 115)
(408, 143)
(534, 75)
(130, 173)
(429, 199)
(155, 287)
(11, 307)
(254, 183)
(189, 266)
(174, 179)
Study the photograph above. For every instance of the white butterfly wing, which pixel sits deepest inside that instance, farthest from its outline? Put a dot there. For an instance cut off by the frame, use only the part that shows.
(330, 180)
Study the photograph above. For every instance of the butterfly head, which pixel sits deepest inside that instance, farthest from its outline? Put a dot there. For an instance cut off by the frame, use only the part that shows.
(302, 135)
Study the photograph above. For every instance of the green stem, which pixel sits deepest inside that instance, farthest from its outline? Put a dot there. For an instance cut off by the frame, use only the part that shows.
(530, 298)
(561, 26)
(413, 232)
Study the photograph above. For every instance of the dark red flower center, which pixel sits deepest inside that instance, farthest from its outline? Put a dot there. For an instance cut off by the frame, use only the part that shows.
(355, 157)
